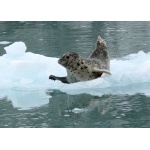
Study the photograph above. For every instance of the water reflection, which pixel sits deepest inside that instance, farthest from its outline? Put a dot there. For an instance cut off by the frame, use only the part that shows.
(25, 99)
(62, 111)
(84, 103)
(82, 110)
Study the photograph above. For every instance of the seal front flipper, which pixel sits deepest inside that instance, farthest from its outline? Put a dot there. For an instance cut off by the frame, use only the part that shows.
(99, 72)
(62, 79)
(52, 77)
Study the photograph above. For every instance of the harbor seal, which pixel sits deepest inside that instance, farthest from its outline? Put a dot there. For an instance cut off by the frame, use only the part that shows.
(84, 69)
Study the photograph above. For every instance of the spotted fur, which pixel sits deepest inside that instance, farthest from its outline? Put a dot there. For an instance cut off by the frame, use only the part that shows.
(84, 69)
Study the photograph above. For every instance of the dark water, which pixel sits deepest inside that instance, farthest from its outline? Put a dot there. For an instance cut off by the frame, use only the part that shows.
(52, 39)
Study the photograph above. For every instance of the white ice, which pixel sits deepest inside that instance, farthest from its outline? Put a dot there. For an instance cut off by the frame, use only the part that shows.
(78, 110)
(27, 73)
(4, 42)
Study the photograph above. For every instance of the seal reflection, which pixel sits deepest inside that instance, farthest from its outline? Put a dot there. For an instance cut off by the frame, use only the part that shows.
(78, 106)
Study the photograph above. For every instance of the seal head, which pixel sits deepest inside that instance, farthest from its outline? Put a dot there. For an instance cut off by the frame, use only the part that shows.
(67, 58)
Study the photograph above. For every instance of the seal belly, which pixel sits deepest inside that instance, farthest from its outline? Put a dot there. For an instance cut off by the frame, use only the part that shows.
(71, 77)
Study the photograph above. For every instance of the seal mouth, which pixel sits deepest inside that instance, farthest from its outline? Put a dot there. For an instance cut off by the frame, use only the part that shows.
(59, 61)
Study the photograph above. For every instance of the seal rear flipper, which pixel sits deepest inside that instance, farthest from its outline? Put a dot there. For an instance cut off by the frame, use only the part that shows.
(101, 41)
(62, 79)
(100, 52)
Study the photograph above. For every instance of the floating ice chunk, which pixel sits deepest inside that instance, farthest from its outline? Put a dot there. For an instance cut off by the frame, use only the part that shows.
(78, 110)
(16, 49)
(26, 71)
(4, 42)
(66, 115)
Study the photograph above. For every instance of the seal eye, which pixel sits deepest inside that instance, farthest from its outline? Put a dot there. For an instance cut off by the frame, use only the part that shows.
(67, 57)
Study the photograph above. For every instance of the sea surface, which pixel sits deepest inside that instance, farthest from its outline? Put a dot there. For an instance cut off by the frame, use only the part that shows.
(120, 106)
